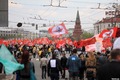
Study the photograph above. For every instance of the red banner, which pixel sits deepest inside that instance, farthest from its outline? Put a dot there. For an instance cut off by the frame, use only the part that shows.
(107, 42)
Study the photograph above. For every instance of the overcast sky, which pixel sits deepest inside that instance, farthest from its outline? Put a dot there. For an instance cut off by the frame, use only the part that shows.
(24, 10)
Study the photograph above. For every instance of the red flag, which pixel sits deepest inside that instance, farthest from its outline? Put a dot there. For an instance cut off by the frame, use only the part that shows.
(70, 43)
(107, 42)
(30, 44)
(58, 29)
(67, 40)
(56, 40)
(90, 47)
(44, 41)
(89, 41)
(74, 41)
(78, 44)
(60, 44)
(14, 41)
(107, 33)
(5, 42)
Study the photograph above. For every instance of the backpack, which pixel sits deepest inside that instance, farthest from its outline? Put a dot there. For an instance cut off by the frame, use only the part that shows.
(91, 62)
(24, 73)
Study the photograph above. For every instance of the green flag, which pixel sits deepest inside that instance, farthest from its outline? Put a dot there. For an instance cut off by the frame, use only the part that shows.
(9, 62)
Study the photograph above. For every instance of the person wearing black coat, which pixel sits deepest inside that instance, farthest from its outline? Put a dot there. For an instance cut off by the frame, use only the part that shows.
(54, 67)
(82, 68)
(111, 70)
(63, 64)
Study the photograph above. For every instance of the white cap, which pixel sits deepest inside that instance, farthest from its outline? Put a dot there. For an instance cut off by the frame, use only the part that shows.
(116, 44)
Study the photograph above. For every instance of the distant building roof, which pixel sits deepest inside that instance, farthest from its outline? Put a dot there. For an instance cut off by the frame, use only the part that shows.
(108, 20)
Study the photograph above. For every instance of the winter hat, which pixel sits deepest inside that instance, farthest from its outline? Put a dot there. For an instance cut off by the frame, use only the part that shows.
(116, 44)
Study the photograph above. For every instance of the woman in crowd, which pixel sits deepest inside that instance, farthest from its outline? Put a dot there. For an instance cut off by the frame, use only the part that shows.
(91, 66)
(82, 69)
(25, 73)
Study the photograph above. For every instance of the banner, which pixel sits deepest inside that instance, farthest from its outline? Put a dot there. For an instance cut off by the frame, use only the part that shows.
(89, 41)
(92, 47)
(57, 30)
(107, 33)
(97, 47)
(107, 42)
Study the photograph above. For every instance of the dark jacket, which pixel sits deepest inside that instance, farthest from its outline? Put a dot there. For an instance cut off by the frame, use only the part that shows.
(52, 49)
(63, 61)
(109, 71)
(82, 68)
(42, 54)
(73, 63)
(55, 69)
(25, 75)
(103, 61)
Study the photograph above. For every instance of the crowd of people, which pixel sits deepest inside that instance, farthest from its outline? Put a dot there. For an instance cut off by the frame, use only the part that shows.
(80, 65)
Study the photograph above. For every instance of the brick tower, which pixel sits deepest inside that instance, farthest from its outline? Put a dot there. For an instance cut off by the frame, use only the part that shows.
(77, 30)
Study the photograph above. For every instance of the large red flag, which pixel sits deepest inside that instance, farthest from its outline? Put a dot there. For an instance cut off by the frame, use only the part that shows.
(89, 41)
(107, 42)
(107, 33)
(58, 29)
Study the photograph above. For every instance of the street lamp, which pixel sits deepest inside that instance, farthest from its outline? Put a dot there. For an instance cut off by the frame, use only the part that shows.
(19, 25)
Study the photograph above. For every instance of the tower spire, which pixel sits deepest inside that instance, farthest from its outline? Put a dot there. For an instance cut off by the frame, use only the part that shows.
(77, 17)
(77, 30)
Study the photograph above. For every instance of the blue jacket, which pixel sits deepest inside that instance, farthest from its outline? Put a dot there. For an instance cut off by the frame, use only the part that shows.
(73, 63)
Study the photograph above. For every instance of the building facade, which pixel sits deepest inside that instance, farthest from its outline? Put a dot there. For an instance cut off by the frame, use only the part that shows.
(17, 33)
(106, 23)
(77, 30)
(3, 13)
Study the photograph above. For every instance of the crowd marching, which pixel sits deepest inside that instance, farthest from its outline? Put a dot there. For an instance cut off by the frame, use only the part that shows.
(92, 65)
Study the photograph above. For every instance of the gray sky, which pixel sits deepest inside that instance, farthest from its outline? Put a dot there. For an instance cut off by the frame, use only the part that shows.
(24, 9)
